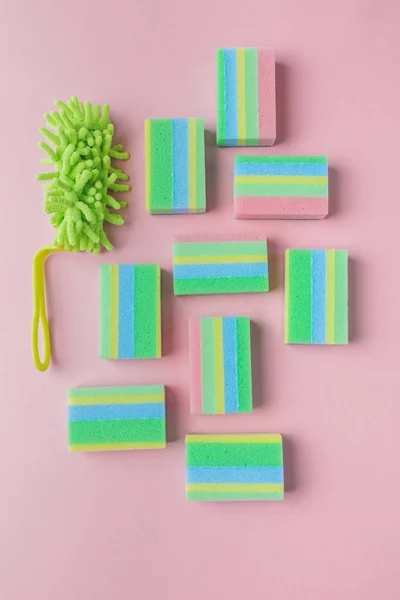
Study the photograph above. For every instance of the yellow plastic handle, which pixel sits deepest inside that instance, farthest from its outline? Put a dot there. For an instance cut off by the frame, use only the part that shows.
(39, 309)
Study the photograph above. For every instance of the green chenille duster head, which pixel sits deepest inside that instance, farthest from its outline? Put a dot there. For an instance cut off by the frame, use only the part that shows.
(77, 191)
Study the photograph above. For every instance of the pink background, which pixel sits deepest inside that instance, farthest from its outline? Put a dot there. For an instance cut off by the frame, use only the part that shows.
(116, 525)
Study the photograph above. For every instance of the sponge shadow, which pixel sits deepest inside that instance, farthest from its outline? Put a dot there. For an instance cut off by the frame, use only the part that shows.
(274, 273)
(282, 102)
(211, 170)
(354, 291)
(334, 191)
(171, 409)
(289, 462)
(257, 363)
(167, 294)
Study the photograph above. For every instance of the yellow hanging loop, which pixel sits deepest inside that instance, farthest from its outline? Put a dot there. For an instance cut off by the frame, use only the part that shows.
(39, 309)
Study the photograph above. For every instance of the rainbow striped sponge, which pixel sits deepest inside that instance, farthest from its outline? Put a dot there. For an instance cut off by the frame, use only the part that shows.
(220, 364)
(130, 311)
(316, 297)
(234, 467)
(116, 418)
(220, 265)
(246, 112)
(175, 166)
(280, 187)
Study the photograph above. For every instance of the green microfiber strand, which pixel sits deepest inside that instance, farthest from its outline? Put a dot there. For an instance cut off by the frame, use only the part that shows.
(77, 192)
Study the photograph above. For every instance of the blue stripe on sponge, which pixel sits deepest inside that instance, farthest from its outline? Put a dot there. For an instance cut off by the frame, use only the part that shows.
(230, 365)
(234, 474)
(180, 165)
(280, 168)
(220, 270)
(126, 310)
(112, 412)
(318, 287)
(230, 95)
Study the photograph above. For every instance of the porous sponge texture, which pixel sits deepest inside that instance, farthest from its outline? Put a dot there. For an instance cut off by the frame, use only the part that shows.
(116, 418)
(280, 187)
(77, 191)
(316, 296)
(175, 166)
(226, 467)
(220, 364)
(130, 311)
(220, 265)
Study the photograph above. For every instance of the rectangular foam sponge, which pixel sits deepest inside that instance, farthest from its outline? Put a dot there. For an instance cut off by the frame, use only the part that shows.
(116, 418)
(316, 290)
(130, 311)
(220, 265)
(246, 111)
(280, 187)
(234, 467)
(175, 166)
(220, 364)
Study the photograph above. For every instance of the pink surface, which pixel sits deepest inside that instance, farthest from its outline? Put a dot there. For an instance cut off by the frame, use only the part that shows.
(195, 366)
(266, 98)
(257, 207)
(241, 236)
(117, 525)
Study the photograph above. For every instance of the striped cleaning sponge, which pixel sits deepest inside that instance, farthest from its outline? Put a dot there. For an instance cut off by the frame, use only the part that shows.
(246, 111)
(220, 363)
(280, 187)
(130, 311)
(220, 265)
(316, 297)
(175, 166)
(116, 418)
(234, 467)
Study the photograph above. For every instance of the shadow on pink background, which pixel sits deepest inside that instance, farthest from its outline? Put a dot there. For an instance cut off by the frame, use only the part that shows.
(116, 525)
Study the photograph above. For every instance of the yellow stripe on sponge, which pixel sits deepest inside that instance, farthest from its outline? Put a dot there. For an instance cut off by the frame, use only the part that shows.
(114, 311)
(192, 165)
(235, 438)
(219, 367)
(241, 96)
(94, 400)
(118, 446)
(234, 487)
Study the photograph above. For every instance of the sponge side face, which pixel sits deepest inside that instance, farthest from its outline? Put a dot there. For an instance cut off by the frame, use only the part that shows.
(316, 297)
(116, 418)
(130, 311)
(230, 467)
(175, 166)
(220, 267)
(220, 364)
(246, 106)
(280, 187)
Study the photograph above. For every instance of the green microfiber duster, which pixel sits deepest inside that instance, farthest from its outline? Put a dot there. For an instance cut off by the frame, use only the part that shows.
(77, 192)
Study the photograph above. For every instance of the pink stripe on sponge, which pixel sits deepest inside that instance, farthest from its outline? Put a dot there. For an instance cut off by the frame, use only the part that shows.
(266, 98)
(195, 366)
(258, 207)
